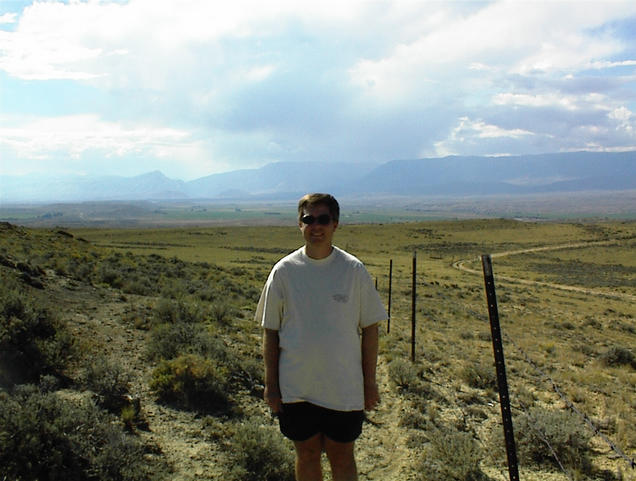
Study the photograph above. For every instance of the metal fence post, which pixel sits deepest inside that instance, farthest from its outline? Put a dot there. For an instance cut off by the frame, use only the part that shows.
(413, 310)
(502, 382)
(388, 321)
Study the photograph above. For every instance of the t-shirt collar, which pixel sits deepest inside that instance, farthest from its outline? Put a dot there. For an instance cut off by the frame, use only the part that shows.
(319, 262)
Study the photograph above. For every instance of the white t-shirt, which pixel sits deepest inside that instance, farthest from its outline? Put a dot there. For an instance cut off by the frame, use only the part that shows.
(318, 308)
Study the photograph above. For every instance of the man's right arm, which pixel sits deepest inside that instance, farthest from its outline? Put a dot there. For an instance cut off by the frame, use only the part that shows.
(271, 351)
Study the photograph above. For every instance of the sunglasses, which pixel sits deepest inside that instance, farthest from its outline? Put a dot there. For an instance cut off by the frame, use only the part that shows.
(322, 219)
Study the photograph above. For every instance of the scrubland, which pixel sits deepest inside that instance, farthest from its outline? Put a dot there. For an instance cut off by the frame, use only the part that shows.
(132, 354)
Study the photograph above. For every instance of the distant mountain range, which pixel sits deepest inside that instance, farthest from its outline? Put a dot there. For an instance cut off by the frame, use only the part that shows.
(447, 176)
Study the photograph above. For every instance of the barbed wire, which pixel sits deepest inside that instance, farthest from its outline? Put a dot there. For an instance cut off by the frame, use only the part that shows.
(493, 460)
(571, 405)
(495, 463)
(631, 462)
(545, 439)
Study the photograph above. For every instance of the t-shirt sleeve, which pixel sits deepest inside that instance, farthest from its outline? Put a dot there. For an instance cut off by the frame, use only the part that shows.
(371, 306)
(269, 311)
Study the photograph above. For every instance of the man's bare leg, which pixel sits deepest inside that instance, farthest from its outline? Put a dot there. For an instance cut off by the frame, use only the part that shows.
(342, 460)
(308, 455)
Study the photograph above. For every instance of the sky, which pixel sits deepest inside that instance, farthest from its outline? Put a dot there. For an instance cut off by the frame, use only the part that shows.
(197, 87)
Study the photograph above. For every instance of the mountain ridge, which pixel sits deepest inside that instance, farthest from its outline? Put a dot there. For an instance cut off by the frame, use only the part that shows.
(450, 176)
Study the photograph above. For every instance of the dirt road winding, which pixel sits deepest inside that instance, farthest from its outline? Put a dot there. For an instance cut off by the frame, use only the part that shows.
(460, 265)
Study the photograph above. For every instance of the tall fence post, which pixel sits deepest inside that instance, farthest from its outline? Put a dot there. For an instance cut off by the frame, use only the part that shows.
(413, 310)
(388, 321)
(502, 382)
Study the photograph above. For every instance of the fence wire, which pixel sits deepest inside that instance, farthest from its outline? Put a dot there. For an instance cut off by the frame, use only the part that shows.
(571, 405)
(631, 462)
(619, 453)
(495, 462)
(545, 439)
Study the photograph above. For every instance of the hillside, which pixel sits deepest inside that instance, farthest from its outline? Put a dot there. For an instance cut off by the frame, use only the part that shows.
(156, 334)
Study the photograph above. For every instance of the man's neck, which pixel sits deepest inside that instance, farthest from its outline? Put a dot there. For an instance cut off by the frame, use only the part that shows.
(318, 251)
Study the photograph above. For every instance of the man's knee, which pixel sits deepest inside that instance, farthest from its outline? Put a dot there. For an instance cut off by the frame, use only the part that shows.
(342, 460)
(340, 453)
(309, 450)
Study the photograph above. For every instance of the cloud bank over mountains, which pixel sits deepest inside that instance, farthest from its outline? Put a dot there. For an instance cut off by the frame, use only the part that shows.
(197, 87)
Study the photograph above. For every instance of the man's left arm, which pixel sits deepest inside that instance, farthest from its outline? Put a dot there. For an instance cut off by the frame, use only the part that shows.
(369, 364)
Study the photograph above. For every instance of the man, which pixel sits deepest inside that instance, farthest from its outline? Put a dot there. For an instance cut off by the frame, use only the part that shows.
(319, 310)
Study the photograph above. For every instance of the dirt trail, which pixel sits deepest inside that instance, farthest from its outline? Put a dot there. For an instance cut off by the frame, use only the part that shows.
(382, 452)
(99, 316)
(102, 317)
(596, 292)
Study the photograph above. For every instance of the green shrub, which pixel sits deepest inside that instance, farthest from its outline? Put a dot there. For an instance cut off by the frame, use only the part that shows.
(222, 313)
(257, 452)
(618, 356)
(137, 285)
(109, 275)
(170, 340)
(192, 382)
(177, 311)
(408, 379)
(480, 375)
(32, 341)
(414, 419)
(565, 432)
(403, 374)
(109, 382)
(451, 456)
(43, 436)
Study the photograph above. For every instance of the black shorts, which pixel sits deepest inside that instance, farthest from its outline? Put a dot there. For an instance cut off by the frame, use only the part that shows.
(300, 421)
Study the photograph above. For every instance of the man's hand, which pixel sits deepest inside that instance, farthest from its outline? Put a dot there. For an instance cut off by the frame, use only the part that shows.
(272, 397)
(371, 396)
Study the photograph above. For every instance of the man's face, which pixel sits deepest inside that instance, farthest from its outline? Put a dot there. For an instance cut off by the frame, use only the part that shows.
(318, 234)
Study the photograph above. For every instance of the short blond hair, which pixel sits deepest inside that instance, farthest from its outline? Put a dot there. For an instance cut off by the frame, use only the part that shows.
(310, 200)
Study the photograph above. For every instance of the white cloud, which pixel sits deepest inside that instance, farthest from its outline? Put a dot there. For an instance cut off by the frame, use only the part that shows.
(559, 100)
(502, 37)
(8, 18)
(56, 40)
(77, 134)
(600, 65)
(624, 120)
(480, 129)
(258, 74)
(468, 133)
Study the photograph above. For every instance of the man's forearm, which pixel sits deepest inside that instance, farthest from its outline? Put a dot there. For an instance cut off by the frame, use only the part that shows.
(369, 363)
(271, 351)
(369, 353)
